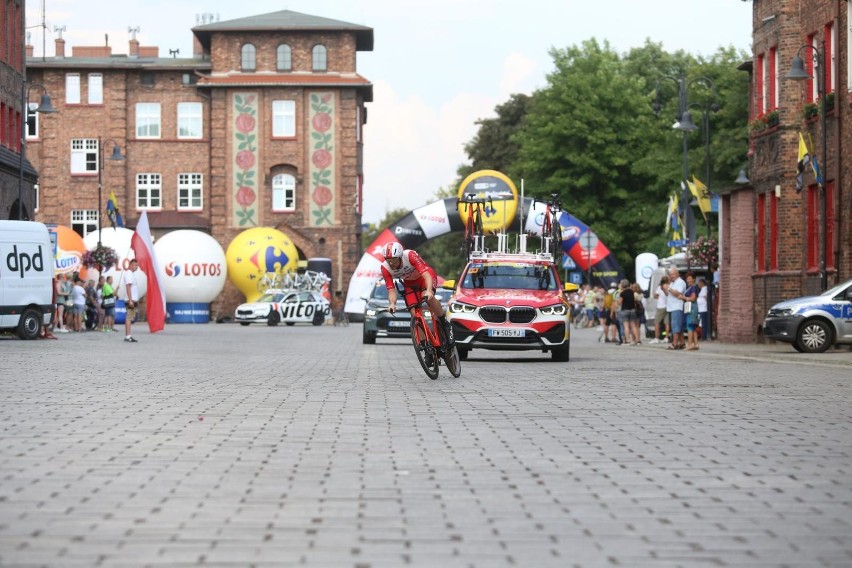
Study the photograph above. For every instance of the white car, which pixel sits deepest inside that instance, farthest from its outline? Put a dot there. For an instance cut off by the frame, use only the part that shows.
(287, 306)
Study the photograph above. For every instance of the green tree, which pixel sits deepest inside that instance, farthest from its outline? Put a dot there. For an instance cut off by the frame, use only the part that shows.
(493, 146)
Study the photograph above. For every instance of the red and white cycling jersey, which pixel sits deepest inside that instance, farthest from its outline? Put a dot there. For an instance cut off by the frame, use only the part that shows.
(410, 271)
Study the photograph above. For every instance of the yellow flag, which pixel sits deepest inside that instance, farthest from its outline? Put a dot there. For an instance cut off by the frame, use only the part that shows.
(702, 194)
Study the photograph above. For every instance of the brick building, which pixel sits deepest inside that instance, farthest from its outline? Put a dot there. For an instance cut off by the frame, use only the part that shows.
(262, 126)
(17, 176)
(771, 233)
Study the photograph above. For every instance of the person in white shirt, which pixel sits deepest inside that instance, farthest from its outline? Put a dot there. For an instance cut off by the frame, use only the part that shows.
(661, 316)
(702, 308)
(674, 307)
(132, 288)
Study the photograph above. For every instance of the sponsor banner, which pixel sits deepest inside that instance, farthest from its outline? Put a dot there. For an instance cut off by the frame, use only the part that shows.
(408, 231)
(500, 195)
(433, 219)
(188, 312)
(362, 281)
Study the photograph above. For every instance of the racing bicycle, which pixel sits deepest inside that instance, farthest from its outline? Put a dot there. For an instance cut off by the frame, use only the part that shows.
(474, 235)
(551, 230)
(430, 343)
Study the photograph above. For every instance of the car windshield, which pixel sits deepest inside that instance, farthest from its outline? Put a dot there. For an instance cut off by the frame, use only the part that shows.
(380, 293)
(832, 292)
(510, 276)
(270, 298)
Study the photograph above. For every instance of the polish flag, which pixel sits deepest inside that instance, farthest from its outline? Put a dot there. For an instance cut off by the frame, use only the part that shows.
(143, 248)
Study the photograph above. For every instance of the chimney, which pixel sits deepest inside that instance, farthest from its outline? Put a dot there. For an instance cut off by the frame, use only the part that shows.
(60, 47)
(29, 49)
(134, 48)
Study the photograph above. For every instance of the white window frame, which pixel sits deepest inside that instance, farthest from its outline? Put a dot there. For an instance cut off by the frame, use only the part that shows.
(72, 88)
(190, 196)
(32, 121)
(319, 58)
(96, 89)
(248, 57)
(190, 118)
(358, 117)
(149, 191)
(87, 220)
(284, 58)
(284, 193)
(85, 157)
(148, 120)
(283, 119)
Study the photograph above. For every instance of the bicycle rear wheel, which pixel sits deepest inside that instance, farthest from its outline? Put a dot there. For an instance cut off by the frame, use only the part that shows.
(425, 350)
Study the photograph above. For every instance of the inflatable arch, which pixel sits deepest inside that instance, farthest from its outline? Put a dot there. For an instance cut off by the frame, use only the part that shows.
(442, 217)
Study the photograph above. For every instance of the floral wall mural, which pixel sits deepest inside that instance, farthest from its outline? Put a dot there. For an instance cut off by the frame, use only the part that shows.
(245, 189)
(321, 151)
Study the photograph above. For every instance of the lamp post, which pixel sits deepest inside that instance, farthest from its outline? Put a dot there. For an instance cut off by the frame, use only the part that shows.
(116, 155)
(45, 106)
(685, 124)
(798, 73)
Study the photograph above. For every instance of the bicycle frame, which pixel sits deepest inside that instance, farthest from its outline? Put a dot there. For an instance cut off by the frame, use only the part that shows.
(428, 342)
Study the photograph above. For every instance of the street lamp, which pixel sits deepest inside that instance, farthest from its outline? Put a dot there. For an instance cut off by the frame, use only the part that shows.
(686, 125)
(45, 106)
(798, 73)
(116, 156)
(706, 109)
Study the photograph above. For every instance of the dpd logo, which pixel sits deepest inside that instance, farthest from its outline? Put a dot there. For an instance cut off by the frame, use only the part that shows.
(22, 262)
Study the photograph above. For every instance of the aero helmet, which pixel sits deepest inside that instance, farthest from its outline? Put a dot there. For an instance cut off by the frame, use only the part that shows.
(392, 250)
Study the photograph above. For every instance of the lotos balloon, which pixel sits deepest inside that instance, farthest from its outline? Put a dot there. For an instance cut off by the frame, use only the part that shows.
(192, 265)
(69, 250)
(117, 239)
(255, 252)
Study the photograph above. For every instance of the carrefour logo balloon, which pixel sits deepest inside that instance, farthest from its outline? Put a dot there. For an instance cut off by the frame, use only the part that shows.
(500, 196)
(255, 252)
(193, 264)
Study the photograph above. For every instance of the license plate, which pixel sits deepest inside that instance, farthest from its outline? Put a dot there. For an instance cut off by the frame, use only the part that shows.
(505, 333)
(398, 324)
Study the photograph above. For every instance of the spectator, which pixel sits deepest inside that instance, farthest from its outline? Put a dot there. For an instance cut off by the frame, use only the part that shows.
(78, 301)
(674, 307)
(108, 302)
(640, 310)
(91, 314)
(62, 293)
(703, 313)
(661, 317)
(589, 305)
(627, 312)
(690, 311)
(132, 288)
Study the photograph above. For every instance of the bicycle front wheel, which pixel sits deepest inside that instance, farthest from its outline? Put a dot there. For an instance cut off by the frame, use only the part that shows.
(423, 347)
(453, 361)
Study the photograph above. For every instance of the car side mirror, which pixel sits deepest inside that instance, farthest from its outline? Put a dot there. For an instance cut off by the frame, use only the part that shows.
(449, 285)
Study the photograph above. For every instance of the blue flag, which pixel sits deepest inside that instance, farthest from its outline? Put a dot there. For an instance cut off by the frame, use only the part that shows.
(112, 211)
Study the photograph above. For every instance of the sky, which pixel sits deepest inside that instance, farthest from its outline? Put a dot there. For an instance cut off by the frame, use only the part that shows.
(436, 67)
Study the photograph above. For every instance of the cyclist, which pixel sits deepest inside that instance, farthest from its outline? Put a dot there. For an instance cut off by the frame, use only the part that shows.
(416, 275)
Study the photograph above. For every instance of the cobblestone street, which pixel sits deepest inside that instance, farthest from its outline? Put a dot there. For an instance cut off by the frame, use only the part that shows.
(218, 445)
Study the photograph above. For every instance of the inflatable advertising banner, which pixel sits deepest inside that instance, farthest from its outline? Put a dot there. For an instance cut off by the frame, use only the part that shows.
(501, 211)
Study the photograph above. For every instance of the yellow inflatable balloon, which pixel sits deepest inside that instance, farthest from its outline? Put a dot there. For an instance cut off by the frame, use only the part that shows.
(255, 252)
(502, 195)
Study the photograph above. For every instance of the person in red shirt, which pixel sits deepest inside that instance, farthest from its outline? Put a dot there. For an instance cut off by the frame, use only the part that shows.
(416, 275)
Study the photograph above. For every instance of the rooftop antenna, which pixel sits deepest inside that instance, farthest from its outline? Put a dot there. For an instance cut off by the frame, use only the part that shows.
(174, 52)
(133, 31)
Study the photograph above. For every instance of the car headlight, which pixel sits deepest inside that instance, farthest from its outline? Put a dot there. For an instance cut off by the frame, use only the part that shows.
(780, 313)
(370, 313)
(554, 310)
(461, 308)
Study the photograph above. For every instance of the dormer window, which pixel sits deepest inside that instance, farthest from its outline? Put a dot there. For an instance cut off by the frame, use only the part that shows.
(247, 58)
(320, 58)
(284, 58)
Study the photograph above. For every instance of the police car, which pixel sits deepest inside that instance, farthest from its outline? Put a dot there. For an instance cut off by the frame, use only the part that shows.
(812, 324)
(285, 306)
(510, 301)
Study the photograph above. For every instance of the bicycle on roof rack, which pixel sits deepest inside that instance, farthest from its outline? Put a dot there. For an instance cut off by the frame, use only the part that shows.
(474, 234)
(551, 230)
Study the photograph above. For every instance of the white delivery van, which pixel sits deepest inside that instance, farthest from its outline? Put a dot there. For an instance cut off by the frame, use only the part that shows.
(26, 277)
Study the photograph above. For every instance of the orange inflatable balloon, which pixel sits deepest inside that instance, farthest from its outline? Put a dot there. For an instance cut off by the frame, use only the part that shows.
(69, 250)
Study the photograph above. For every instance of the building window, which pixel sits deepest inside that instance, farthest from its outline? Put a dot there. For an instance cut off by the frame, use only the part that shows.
(247, 58)
(283, 119)
(84, 156)
(320, 58)
(96, 89)
(830, 63)
(772, 80)
(189, 120)
(72, 88)
(773, 231)
(147, 120)
(148, 191)
(283, 193)
(84, 221)
(284, 58)
(813, 227)
(761, 232)
(760, 84)
(810, 84)
(32, 121)
(189, 191)
(830, 223)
